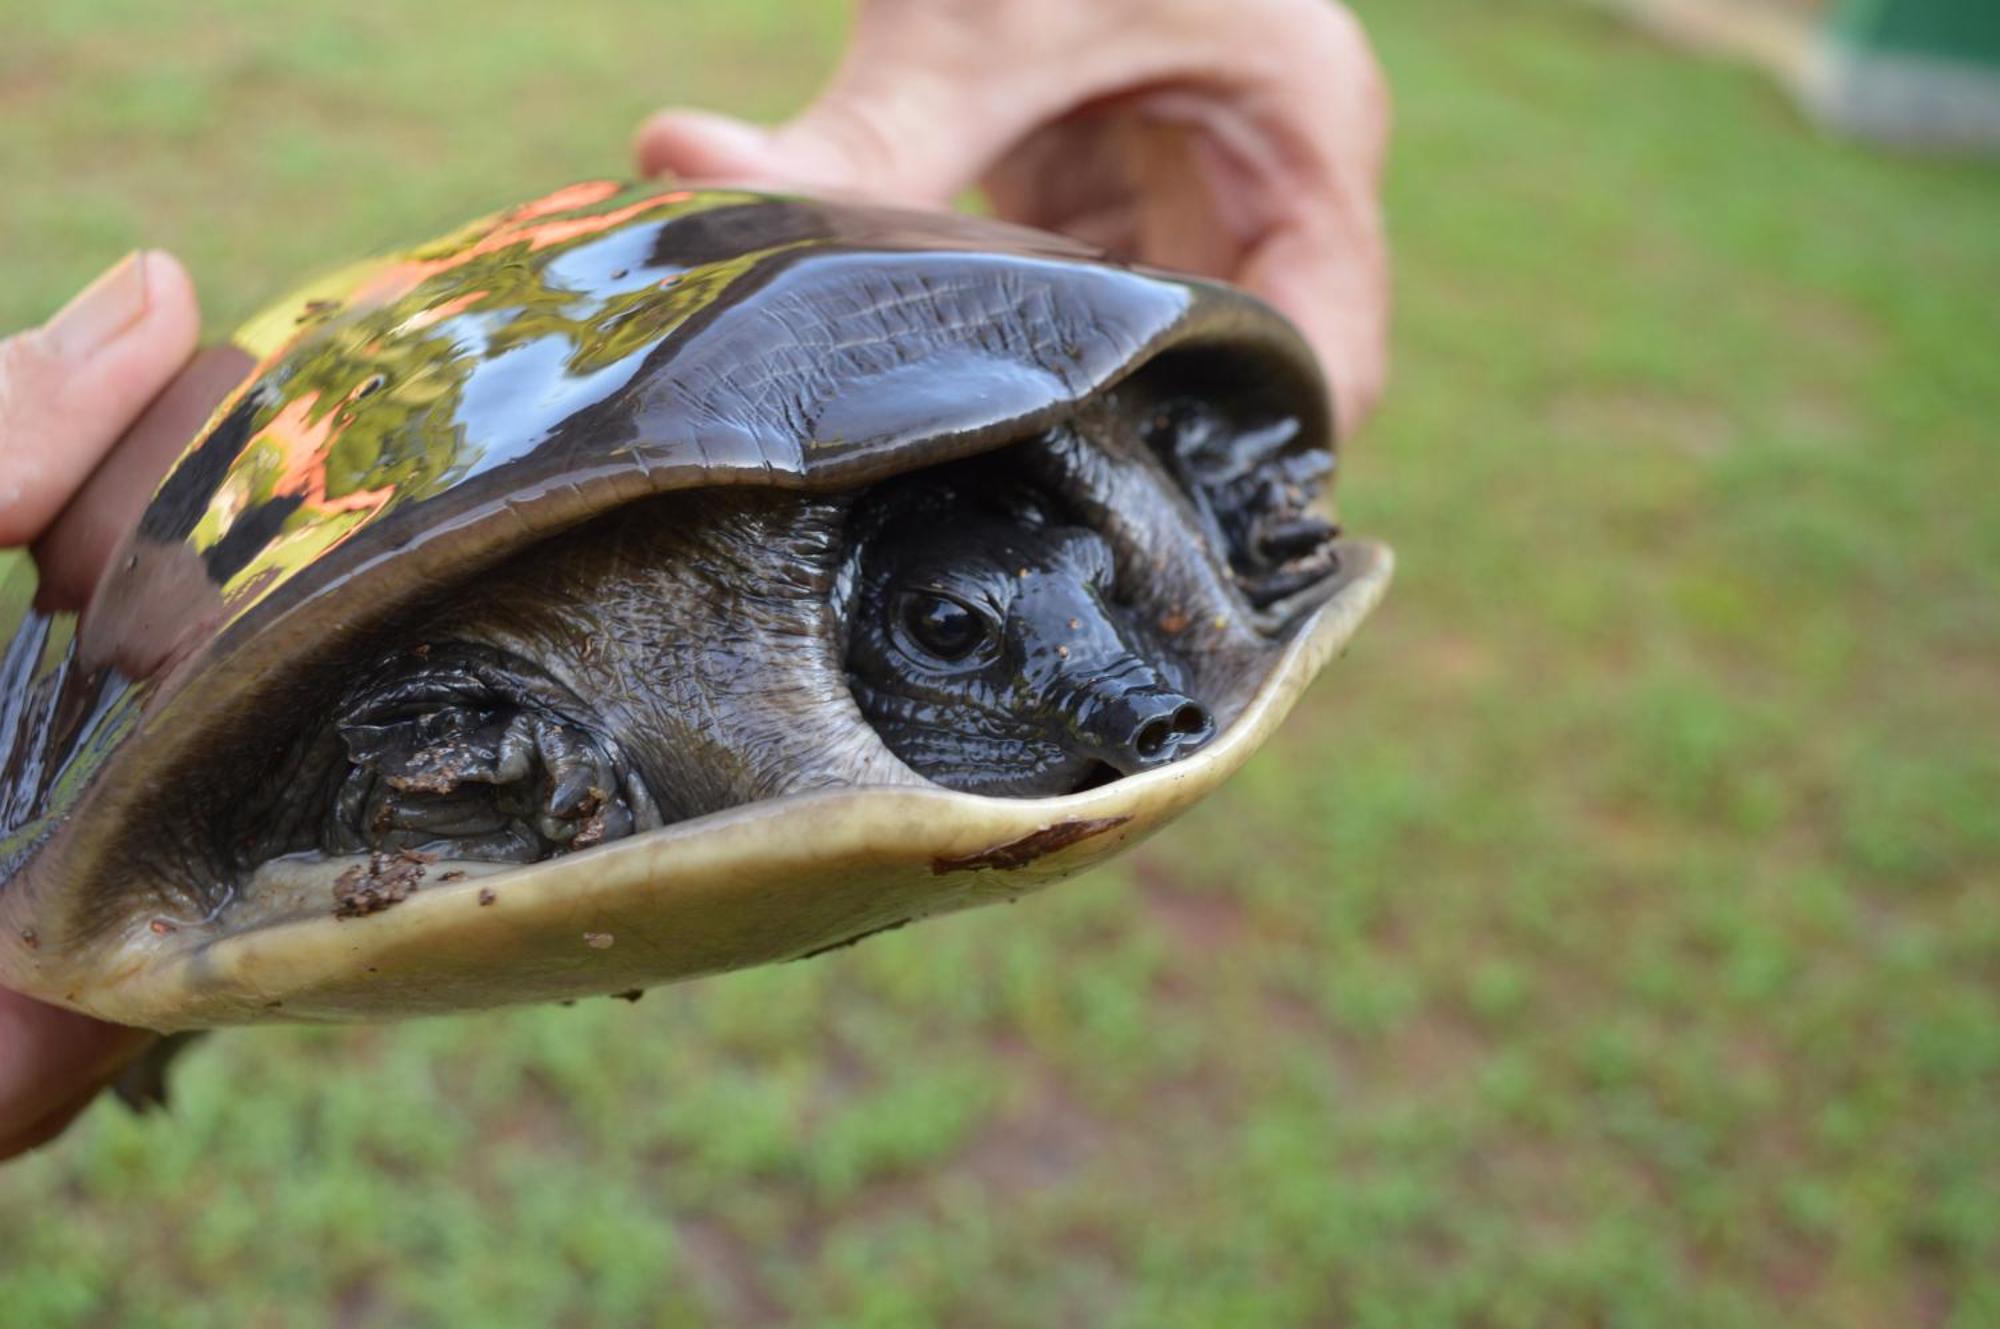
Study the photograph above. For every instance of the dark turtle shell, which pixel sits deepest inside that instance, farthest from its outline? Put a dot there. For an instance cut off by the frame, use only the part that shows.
(414, 419)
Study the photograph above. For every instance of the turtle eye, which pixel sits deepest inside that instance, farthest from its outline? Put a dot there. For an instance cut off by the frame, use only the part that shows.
(943, 625)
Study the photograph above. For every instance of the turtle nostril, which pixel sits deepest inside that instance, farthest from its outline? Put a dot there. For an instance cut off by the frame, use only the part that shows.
(1146, 727)
(1163, 736)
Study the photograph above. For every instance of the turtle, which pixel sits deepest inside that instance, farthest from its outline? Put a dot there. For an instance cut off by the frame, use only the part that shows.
(649, 581)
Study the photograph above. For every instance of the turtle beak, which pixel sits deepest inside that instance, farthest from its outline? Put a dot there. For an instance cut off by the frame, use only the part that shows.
(1135, 728)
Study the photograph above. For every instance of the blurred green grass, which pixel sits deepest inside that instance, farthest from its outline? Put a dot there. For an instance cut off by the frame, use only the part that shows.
(1613, 939)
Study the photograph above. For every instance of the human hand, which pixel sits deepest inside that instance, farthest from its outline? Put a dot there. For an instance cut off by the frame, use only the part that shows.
(68, 390)
(1242, 141)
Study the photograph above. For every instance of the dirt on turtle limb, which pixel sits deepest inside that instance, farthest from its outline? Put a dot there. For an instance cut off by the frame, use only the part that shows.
(385, 881)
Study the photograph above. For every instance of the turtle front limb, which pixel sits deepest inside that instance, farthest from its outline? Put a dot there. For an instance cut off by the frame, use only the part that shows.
(471, 753)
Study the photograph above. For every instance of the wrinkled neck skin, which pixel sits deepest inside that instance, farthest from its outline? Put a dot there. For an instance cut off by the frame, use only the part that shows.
(697, 636)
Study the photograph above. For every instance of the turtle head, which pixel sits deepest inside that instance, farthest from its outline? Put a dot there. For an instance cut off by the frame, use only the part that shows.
(989, 650)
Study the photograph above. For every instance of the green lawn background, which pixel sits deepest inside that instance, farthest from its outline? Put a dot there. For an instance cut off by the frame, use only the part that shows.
(1612, 939)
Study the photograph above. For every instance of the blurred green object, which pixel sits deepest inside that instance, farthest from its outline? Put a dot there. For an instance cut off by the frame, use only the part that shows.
(1964, 31)
(1614, 944)
(1920, 73)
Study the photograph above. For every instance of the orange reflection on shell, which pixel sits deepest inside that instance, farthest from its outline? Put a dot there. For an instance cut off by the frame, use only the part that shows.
(305, 443)
(512, 228)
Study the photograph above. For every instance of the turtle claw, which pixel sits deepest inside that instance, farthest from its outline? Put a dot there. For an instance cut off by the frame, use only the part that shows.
(1252, 495)
(570, 791)
(1290, 537)
(579, 810)
(1289, 580)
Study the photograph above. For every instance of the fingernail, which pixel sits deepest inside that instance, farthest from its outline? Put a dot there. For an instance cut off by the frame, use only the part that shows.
(102, 310)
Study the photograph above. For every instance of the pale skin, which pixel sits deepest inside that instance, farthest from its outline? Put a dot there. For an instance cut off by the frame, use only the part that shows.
(1243, 141)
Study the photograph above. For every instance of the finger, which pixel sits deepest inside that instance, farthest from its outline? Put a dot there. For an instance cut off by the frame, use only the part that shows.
(78, 542)
(701, 145)
(1291, 164)
(50, 1126)
(915, 114)
(1330, 278)
(1328, 267)
(53, 1061)
(69, 388)
(889, 147)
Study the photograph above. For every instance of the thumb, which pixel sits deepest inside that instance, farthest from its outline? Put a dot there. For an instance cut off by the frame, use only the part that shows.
(894, 125)
(701, 145)
(896, 149)
(69, 388)
(52, 1063)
